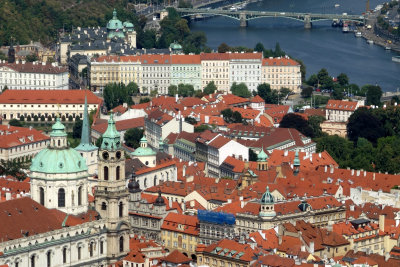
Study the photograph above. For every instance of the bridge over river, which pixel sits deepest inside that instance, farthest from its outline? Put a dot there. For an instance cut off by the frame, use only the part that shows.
(245, 15)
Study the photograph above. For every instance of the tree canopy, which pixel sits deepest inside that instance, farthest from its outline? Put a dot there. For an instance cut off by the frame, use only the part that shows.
(116, 94)
(210, 88)
(240, 90)
(292, 120)
(132, 137)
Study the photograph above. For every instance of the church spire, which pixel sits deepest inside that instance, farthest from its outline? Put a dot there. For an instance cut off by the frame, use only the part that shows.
(85, 144)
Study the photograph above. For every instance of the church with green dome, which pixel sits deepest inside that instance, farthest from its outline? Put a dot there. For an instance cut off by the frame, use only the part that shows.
(59, 175)
(117, 29)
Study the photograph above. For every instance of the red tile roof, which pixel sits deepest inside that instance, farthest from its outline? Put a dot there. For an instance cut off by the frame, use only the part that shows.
(176, 257)
(120, 125)
(152, 59)
(181, 223)
(48, 97)
(116, 59)
(234, 248)
(12, 136)
(279, 62)
(237, 164)
(274, 261)
(185, 59)
(247, 113)
(231, 99)
(214, 56)
(30, 67)
(219, 142)
(341, 105)
(257, 99)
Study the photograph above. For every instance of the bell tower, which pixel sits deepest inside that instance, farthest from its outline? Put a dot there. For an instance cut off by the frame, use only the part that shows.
(111, 194)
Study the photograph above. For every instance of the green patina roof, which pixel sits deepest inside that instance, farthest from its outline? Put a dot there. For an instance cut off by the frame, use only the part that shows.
(85, 144)
(111, 137)
(128, 24)
(143, 151)
(262, 156)
(114, 23)
(55, 160)
(175, 46)
(58, 129)
(267, 198)
(118, 34)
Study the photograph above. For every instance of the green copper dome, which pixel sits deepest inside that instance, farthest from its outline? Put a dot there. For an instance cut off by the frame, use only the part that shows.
(267, 197)
(58, 158)
(52, 161)
(262, 156)
(143, 150)
(58, 129)
(175, 46)
(111, 137)
(114, 23)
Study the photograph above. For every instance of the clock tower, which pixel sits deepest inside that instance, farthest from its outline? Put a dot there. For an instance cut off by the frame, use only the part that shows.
(111, 194)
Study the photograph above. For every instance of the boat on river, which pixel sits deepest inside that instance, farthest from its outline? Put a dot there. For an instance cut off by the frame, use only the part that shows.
(345, 28)
(388, 48)
(396, 59)
(337, 5)
(358, 34)
(370, 42)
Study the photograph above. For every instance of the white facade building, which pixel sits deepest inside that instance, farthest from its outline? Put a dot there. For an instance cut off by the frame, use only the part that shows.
(245, 68)
(33, 75)
(156, 73)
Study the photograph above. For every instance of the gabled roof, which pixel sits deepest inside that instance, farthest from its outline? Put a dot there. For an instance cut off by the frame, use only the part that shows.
(48, 97)
(176, 257)
(257, 99)
(13, 136)
(181, 223)
(219, 142)
(278, 61)
(341, 105)
(148, 59)
(30, 67)
(231, 249)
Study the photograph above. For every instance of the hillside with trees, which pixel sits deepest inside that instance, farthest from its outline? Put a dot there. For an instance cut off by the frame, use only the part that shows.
(40, 20)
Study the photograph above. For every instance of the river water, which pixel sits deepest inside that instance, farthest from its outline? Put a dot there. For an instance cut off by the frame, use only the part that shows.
(320, 47)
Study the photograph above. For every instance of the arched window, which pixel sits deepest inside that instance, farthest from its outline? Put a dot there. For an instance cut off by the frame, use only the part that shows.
(104, 206)
(91, 249)
(79, 253)
(155, 180)
(33, 261)
(121, 244)
(106, 173)
(41, 193)
(79, 195)
(121, 209)
(145, 182)
(61, 198)
(117, 172)
(48, 258)
(101, 247)
(64, 253)
(59, 143)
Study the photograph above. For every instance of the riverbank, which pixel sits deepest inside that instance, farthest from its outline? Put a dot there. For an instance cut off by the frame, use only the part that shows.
(370, 34)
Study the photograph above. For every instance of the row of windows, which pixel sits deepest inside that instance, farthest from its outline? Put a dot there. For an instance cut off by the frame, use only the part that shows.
(28, 75)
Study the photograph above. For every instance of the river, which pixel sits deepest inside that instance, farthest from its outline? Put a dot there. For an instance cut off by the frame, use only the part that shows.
(320, 47)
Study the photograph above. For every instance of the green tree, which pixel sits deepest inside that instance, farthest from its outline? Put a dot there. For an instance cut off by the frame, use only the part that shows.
(265, 92)
(22, 118)
(172, 90)
(240, 90)
(132, 89)
(116, 94)
(185, 90)
(259, 47)
(210, 88)
(338, 147)
(201, 128)
(252, 155)
(31, 58)
(99, 141)
(374, 94)
(13, 168)
(191, 120)
(77, 129)
(35, 118)
(387, 157)
(315, 123)
(313, 80)
(302, 69)
(184, 4)
(292, 120)
(306, 92)
(132, 137)
(15, 122)
(237, 117)
(227, 114)
(362, 123)
(144, 100)
(342, 79)
(223, 48)
(153, 92)
(337, 93)
(278, 51)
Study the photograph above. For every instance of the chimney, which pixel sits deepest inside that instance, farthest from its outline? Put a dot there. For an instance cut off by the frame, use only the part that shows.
(229, 200)
(241, 204)
(358, 172)
(373, 176)
(351, 207)
(326, 168)
(332, 169)
(312, 247)
(206, 119)
(303, 248)
(8, 196)
(170, 202)
(183, 206)
(285, 153)
(365, 173)
(184, 171)
(176, 98)
(352, 172)
(382, 222)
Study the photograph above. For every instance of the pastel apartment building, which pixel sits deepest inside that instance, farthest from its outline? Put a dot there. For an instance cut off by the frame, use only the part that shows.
(33, 75)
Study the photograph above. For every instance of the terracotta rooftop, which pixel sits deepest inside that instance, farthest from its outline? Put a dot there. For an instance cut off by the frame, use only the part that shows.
(12, 136)
(185, 59)
(48, 97)
(120, 125)
(38, 67)
(279, 62)
(341, 105)
(181, 223)
(176, 257)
